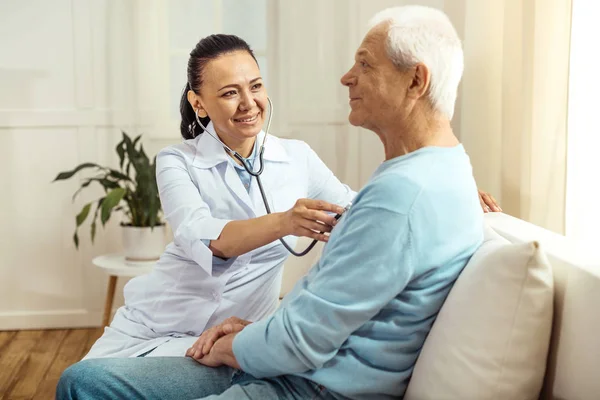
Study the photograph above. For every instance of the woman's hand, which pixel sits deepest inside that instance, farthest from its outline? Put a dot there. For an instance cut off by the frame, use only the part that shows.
(488, 202)
(309, 218)
(208, 338)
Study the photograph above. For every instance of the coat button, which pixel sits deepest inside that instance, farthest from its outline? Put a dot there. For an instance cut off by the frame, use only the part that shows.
(216, 295)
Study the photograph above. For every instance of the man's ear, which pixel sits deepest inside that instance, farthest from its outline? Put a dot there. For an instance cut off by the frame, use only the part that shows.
(196, 104)
(420, 81)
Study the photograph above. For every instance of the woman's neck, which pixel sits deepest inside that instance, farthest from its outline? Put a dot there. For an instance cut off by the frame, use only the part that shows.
(242, 147)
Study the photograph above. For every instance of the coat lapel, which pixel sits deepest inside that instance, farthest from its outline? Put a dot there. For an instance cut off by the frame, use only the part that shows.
(210, 154)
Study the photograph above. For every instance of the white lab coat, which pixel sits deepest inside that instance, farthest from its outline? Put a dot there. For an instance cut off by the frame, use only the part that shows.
(190, 290)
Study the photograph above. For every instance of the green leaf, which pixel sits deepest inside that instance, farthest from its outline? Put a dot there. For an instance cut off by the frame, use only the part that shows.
(67, 174)
(93, 230)
(138, 159)
(152, 220)
(76, 239)
(130, 151)
(107, 184)
(119, 175)
(136, 140)
(143, 153)
(121, 152)
(129, 147)
(110, 201)
(126, 138)
(93, 227)
(83, 214)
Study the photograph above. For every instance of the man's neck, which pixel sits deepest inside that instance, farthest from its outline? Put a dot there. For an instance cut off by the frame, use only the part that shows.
(402, 137)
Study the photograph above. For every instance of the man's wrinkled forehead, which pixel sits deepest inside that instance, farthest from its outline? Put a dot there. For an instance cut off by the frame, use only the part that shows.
(374, 41)
(377, 33)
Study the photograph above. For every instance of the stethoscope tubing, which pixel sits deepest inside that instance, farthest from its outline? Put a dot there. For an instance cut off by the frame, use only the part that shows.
(258, 173)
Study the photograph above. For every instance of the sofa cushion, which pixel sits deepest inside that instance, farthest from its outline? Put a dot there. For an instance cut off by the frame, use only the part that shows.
(491, 337)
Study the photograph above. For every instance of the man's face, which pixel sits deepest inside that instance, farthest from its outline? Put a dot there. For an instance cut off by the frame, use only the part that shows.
(377, 88)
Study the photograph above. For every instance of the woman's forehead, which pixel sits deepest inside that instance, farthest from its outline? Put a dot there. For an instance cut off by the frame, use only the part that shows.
(231, 68)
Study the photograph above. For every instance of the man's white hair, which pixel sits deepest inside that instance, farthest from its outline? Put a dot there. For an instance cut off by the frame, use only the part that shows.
(419, 34)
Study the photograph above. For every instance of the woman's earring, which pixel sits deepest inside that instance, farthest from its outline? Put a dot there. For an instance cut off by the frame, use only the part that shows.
(201, 116)
(200, 124)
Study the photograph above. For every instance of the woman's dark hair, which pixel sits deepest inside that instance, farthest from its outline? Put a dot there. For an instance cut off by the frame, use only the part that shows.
(206, 50)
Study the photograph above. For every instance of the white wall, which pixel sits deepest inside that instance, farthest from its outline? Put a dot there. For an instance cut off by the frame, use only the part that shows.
(74, 73)
(64, 73)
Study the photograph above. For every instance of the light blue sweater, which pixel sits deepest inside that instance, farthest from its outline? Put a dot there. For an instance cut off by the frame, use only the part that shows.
(357, 321)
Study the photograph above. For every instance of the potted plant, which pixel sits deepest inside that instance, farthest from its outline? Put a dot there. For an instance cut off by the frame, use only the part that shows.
(132, 190)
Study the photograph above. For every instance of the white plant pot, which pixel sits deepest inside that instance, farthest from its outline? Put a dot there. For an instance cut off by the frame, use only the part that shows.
(143, 244)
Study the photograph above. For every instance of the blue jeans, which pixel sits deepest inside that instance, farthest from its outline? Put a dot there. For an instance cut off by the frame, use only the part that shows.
(176, 378)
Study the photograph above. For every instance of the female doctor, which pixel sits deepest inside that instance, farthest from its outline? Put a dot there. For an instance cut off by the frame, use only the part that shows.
(226, 258)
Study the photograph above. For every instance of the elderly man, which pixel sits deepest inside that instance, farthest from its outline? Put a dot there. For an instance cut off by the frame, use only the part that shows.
(354, 326)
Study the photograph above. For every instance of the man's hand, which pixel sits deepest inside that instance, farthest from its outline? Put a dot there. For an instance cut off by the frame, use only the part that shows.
(208, 338)
(221, 353)
(488, 202)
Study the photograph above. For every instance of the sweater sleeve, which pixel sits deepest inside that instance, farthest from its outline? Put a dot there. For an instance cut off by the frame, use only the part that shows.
(367, 262)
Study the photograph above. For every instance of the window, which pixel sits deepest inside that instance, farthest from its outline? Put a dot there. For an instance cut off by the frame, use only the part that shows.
(583, 154)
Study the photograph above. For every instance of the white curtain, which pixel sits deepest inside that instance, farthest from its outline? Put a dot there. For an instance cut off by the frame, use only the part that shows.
(513, 105)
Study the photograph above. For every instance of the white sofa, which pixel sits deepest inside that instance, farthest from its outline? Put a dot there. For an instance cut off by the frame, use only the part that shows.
(572, 371)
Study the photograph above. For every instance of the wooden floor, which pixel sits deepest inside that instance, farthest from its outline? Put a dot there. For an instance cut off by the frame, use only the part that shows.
(31, 361)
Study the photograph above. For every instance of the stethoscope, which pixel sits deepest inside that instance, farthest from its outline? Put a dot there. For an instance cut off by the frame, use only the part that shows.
(260, 170)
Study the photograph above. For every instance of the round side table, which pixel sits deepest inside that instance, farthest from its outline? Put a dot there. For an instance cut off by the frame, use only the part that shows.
(115, 265)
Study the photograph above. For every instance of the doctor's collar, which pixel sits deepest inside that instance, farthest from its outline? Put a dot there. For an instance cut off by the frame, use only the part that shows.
(209, 152)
